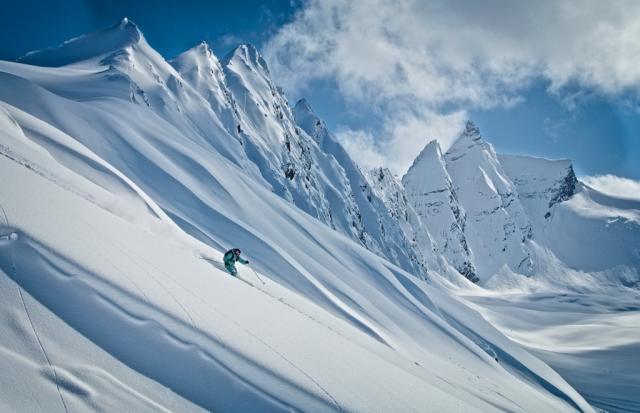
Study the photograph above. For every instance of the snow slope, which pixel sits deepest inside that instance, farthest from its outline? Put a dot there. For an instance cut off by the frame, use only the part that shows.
(102, 157)
(590, 339)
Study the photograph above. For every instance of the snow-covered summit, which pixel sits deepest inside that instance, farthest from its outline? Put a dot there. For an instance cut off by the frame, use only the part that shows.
(303, 105)
(248, 55)
(119, 36)
(468, 138)
(541, 183)
(497, 225)
(429, 163)
(200, 67)
(432, 195)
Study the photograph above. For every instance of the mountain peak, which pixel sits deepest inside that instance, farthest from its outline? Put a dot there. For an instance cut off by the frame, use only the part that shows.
(202, 48)
(95, 44)
(119, 35)
(125, 22)
(432, 147)
(429, 163)
(196, 56)
(470, 129)
(303, 105)
(471, 132)
(304, 112)
(248, 54)
(430, 152)
(468, 138)
(382, 174)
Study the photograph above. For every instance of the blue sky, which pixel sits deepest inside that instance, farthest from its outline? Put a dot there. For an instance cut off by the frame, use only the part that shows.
(388, 78)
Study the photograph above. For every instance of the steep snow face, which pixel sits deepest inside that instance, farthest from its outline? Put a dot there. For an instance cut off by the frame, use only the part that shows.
(317, 176)
(387, 187)
(201, 68)
(361, 203)
(563, 210)
(432, 195)
(121, 64)
(288, 159)
(541, 184)
(497, 227)
(313, 125)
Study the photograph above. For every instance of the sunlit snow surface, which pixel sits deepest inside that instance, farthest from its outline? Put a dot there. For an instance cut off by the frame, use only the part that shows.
(124, 178)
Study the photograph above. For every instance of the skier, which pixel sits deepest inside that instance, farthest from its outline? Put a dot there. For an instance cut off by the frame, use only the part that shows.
(230, 258)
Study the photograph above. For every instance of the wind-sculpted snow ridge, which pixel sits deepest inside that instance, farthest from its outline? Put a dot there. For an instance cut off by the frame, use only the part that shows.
(86, 47)
(111, 306)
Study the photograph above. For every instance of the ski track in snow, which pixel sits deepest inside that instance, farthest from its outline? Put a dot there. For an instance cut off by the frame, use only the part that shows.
(44, 352)
(9, 237)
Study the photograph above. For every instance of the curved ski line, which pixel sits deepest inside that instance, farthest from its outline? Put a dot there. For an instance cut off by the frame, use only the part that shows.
(33, 328)
(55, 374)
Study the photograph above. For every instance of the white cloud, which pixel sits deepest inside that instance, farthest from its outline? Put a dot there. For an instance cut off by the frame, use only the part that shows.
(614, 185)
(440, 56)
(459, 50)
(362, 148)
(408, 134)
(401, 140)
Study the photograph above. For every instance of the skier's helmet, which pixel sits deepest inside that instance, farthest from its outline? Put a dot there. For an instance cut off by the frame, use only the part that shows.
(237, 251)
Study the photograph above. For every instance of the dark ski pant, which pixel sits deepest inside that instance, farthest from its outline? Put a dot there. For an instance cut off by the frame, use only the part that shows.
(231, 268)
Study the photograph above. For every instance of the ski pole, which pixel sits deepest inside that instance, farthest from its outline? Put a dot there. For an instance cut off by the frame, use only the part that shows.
(254, 271)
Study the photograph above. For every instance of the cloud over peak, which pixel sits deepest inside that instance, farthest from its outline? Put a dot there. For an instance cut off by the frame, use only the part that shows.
(412, 58)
